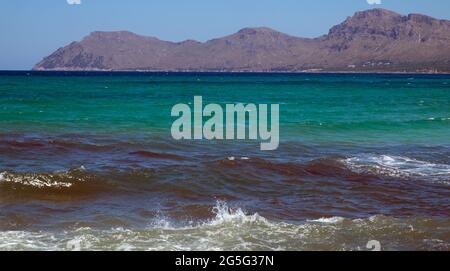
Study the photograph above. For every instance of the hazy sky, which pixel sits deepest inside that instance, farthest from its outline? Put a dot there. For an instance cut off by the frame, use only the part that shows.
(32, 29)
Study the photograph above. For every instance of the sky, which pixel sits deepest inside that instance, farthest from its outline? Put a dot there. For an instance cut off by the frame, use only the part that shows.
(32, 29)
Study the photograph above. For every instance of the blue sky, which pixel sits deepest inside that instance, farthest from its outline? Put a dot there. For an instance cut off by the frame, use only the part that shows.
(31, 29)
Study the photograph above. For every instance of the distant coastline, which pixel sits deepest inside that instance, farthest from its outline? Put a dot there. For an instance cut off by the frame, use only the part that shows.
(371, 41)
(220, 72)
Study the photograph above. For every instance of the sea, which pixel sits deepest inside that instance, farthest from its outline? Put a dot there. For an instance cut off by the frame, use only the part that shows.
(88, 162)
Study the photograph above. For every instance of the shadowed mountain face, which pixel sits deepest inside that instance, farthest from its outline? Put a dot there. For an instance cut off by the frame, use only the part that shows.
(373, 40)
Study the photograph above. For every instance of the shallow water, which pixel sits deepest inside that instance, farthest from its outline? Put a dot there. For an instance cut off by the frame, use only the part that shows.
(87, 159)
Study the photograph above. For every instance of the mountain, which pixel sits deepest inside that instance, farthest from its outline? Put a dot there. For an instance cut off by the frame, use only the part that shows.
(372, 40)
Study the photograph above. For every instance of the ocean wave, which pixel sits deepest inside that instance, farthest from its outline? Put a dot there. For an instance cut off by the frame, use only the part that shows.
(222, 214)
(234, 229)
(438, 119)
(225, 214)
(71, 143)
(359, 167)
(165, 178)
(329, 220)
(55, 180)
(398, 167)
(41, 143)
(55, 186)
(322, 167)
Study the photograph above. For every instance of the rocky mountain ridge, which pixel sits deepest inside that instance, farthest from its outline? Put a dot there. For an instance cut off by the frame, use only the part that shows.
(372, 40)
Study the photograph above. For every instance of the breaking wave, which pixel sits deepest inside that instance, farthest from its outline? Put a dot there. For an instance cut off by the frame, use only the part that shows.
(361, 167)
(399, 167)
(62, 185)
(234, 229)
(57, 180)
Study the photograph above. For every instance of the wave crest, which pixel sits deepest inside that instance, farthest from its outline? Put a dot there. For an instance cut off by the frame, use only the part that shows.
(398, 167)
(46, 180)
(233, 229)
(58, 186)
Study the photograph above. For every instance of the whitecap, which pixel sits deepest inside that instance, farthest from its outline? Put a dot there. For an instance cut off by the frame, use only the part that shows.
(398, 166)
(235, 229)
(225, 214)
(329, 220)
(2, 176)
(37, 180)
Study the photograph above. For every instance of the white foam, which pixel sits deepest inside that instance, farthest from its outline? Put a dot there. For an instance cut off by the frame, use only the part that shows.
(329, 220)
(39, 181)
(225, 214)
(2, 176)
(233, 158)
(398, 166)
(233, 229)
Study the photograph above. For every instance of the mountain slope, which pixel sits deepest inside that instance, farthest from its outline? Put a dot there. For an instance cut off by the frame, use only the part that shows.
(373, 40)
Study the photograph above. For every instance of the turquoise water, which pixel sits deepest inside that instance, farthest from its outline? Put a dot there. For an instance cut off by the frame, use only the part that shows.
(314, 108)
(89, 158)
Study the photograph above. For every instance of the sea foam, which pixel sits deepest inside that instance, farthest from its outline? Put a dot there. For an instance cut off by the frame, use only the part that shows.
(398, 166)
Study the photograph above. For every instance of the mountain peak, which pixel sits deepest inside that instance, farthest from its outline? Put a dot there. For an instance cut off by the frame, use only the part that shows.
(373, 16)
(376, 12)
(372, 21)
